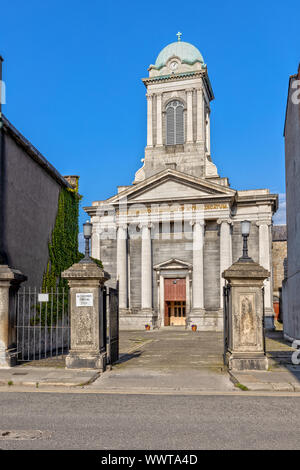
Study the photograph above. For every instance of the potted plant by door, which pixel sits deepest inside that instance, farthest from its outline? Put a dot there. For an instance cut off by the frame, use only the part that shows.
(194, 327)
(147, 327)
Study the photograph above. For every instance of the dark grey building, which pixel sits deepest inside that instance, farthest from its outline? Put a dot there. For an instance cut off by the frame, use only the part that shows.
(291, 285)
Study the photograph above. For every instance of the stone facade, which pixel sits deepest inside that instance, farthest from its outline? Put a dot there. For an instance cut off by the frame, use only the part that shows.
(291, 314)
(179, 219)
(279, 254)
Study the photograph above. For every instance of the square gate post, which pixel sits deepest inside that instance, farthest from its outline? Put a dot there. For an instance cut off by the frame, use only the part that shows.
(86, 281)
(10, 280)
(245, 348)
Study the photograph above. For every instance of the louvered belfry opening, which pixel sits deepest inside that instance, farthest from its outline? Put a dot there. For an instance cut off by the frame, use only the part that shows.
(175, 123)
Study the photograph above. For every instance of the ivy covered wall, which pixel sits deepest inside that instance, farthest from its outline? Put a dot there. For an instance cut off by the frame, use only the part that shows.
(63, 246)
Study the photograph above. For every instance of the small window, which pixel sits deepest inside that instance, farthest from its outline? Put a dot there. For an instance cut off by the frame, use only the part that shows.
(174, 123)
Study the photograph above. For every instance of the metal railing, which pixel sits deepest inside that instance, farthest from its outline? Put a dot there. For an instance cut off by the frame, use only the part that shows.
(42, 323)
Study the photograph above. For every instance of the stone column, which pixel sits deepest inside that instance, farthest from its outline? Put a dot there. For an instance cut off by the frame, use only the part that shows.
(225, 251)
(95, 244)
(189, 121)
(198, 281)
(149, 121)
(200, 116)
(159, 138)
(88, 334)
(265, 261)
(122, 272)
(208, 132)
(146, 269)
(243, 326)
(10, 280)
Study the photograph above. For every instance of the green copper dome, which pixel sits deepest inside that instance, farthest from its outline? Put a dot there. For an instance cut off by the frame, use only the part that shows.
(185, 51)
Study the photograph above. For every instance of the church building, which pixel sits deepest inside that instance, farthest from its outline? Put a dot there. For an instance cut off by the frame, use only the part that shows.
(167, 238)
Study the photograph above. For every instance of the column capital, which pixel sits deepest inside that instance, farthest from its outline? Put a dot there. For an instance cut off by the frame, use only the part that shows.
(198, 222)
(149, 95)
(145, 225)
(189, 90)
(263, 222)
(122, 225)
(228, 221)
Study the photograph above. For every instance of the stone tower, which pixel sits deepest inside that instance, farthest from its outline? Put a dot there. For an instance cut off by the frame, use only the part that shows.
(178, 114)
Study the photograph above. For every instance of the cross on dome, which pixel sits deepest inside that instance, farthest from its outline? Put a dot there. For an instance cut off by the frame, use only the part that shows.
(179, 34)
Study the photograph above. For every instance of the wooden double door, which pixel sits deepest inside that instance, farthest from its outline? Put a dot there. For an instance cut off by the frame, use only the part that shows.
(175, 302)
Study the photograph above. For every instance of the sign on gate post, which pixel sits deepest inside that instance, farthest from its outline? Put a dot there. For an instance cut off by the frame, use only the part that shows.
(86, 281)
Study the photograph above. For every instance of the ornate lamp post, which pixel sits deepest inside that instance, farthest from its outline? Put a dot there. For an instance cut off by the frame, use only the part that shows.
(246, 225)
(87, 233)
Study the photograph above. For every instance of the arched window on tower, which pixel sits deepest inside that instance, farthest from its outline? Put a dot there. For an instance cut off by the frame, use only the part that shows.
(174, 123)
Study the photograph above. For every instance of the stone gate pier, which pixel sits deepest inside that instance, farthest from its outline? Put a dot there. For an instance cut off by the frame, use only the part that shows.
(10, 281)
(244, 322)
(88, 331)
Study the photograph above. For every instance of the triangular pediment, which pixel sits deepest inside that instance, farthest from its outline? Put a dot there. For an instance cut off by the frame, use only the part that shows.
(173, 263)
(170, 185)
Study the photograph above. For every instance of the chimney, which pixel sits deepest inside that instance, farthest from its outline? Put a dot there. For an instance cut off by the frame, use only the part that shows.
(73, 181)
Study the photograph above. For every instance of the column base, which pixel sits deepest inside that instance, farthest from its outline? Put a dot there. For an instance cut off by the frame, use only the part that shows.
(206, 320)
(124, 311)
(237, 361)
(138, 321)
(86, 360)
(8, 358)
(269, 319)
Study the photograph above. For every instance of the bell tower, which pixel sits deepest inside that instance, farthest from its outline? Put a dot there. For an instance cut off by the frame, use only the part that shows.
(178, 113)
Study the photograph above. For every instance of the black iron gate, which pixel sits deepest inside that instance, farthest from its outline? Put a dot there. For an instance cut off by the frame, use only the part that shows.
(263, 319)
(42, 323)
(112, 312)
(226, 307)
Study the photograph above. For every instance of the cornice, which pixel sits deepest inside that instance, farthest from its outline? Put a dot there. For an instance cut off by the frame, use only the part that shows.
(173, 77)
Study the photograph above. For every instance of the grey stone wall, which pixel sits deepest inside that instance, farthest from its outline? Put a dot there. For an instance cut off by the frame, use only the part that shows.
(109, 259)
(135, 274)
(211, 267)
(29, 200)
(237, 242)
(291, 317)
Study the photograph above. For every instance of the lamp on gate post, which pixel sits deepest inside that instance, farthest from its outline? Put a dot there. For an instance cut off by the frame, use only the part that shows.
(87, 233)
(245, 226)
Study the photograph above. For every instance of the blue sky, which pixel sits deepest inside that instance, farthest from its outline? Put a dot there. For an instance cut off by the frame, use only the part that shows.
(72, 71)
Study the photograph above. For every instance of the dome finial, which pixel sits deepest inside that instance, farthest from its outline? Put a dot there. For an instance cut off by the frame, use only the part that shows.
(179, 34)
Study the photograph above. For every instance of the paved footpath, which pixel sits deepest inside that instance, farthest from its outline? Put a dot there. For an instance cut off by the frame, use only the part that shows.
(168, 360)
(171, 360)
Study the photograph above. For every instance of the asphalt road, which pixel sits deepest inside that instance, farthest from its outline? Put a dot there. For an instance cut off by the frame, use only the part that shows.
(95, 421)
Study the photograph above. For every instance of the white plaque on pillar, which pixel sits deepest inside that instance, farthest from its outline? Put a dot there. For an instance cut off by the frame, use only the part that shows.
(84, 300)
(43, 297)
